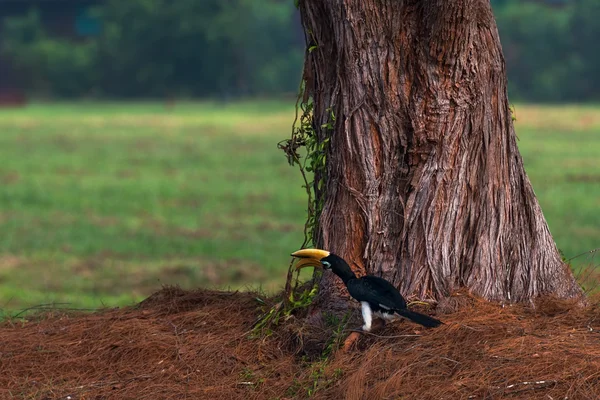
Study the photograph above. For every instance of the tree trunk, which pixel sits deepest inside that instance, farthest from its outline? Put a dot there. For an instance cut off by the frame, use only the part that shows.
(425, 185)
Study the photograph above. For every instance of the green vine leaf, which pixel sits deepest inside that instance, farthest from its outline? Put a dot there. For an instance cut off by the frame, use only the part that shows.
(306, 151)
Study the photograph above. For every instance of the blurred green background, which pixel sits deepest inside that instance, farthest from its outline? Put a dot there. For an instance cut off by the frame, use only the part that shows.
(233, 48)
(144, 149)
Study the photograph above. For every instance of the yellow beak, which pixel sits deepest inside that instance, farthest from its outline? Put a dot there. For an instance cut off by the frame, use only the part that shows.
(310, 258)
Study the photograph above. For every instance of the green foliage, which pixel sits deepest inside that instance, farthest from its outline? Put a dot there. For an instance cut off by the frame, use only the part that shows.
(210, 48)
(338, 334)
(297, 299)
(303, 135)
(54, 66)
(313, 164)
(532, 35)
(204, 48)
(585, 31)
(165, 48)
(249, 378)
(320, 379)
(550, 49)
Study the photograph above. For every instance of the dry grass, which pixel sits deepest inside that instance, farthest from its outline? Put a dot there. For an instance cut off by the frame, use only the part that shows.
(557, 118)
(198, 345)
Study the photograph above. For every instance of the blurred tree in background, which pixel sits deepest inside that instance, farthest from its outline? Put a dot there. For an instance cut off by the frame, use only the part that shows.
(52, 66)
(232, 48)
(150, 48)
(199, 48)
(550, 48)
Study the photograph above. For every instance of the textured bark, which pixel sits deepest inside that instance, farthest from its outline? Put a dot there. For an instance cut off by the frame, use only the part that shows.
(425, 184)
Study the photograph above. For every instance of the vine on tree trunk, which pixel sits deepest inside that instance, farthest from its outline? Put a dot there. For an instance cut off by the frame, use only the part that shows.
(305, 150)
(311, 165)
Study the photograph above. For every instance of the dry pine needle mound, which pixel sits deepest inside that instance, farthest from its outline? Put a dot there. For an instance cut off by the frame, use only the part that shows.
(199, 345)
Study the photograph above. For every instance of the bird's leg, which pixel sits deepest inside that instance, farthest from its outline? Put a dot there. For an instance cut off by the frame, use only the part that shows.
(367, 315)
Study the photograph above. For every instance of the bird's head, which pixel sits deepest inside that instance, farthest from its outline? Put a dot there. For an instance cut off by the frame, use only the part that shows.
(323, 259)
(313, 258)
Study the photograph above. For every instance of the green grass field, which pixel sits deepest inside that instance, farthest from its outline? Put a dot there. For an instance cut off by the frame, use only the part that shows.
(101, 204)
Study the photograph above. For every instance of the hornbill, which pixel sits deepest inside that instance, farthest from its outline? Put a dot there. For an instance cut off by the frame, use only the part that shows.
(377, 296)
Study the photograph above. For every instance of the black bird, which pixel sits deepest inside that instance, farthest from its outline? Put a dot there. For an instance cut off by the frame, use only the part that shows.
(377, 296)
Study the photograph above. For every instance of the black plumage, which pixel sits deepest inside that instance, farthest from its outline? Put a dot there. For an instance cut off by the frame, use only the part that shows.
(385, 301)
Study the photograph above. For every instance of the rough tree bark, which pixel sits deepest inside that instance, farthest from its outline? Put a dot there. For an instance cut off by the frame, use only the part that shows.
(425, 184)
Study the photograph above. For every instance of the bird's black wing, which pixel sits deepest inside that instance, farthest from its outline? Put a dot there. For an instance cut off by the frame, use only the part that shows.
(381, 294)
(378, 291)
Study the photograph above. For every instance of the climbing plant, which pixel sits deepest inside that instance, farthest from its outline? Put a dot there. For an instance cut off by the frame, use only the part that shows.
(305, 150)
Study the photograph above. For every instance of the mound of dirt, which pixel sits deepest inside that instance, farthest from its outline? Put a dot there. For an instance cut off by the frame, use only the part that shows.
(199, 345)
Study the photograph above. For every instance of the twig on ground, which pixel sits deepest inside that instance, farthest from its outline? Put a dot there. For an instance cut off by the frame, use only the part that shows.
(381, 336)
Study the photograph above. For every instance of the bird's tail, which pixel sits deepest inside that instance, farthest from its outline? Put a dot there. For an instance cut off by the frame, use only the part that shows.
(419, 318)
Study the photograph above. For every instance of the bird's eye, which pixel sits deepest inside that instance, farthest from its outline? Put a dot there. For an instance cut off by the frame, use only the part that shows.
(326, 264)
